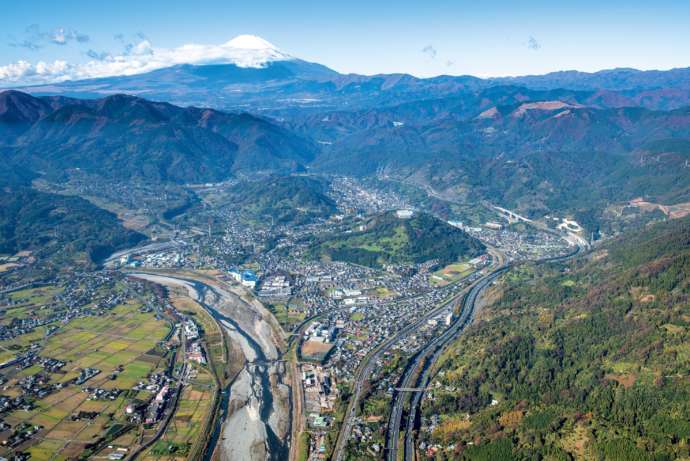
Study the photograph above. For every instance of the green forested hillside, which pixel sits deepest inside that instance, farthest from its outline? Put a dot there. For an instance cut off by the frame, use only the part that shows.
(587, 361)
(56, 226)
(128, 138)
(387, 239)
(283, 200)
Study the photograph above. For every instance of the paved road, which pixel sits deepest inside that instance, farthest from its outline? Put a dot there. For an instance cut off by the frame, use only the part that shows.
(427, 356)
(365, 371)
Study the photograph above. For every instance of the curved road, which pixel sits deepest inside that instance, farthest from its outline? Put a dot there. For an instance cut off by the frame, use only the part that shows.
(427, 356)
(369, 363)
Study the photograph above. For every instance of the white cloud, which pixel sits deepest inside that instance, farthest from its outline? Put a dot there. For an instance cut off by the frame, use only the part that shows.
(244, 51)
(62, 36)
(430, 51)
(15, 70)
(35, 38)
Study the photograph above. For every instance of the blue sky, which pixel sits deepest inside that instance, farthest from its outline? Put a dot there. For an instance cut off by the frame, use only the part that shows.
(429, 38)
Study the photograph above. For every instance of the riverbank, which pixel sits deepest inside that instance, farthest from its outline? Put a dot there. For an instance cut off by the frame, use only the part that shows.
(257, 426)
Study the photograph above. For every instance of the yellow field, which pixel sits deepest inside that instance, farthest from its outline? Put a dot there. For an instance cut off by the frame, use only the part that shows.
(124, 337)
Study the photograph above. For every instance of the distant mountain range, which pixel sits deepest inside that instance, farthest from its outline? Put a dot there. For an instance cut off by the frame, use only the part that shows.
(570, 141)
(279, 86)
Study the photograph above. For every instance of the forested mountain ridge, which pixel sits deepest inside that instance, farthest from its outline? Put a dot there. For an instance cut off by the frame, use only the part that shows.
(63, 229)
(585, 361)
(283, 200)
(125, 137)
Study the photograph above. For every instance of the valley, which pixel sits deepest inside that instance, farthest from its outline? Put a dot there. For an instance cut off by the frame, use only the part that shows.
(257, 257)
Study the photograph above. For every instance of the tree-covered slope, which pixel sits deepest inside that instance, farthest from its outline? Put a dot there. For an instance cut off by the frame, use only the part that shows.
(283, 200)
(59, 227)
(586, 361)
(125, 137)
(387, 239)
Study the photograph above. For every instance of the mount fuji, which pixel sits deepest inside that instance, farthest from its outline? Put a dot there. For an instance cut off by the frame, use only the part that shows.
(248, 73)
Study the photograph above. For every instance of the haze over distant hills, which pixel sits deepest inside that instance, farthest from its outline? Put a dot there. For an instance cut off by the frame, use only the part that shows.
(251, 73)
(568, 140)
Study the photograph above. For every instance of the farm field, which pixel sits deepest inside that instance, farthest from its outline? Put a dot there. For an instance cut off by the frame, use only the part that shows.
(185, 434)
(122, 345)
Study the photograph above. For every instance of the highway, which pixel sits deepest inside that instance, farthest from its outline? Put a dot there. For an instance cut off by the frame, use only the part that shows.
(369, 363)
(363, 374)
(423, 360)
(428, 355)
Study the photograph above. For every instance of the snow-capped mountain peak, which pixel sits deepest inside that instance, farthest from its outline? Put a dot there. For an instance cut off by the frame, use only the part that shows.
(248, 51)
(252, 51)
(250, 42)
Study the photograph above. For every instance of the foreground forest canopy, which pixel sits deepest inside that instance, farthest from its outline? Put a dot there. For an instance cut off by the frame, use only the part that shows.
(587, 361)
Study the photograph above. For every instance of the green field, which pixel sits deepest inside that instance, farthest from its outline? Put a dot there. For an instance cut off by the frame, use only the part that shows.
(450, 274)
(122, 338)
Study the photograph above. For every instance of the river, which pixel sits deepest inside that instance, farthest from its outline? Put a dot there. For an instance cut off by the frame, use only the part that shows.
(255, 411)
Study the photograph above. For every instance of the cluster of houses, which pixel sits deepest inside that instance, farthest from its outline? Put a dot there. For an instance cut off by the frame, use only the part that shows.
(191, 330)
(150, 412)
(195, 353)
(159, 259)
(320, 332)
(21, 433)
(320, 392)
(86, 374)
(157, 405)
(275, 286)
(96, 393)
(350, 297)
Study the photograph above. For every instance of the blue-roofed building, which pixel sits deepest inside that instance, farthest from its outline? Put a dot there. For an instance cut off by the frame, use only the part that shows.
(249, 278)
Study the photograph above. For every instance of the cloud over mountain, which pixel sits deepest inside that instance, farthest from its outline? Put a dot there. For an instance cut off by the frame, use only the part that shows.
(139, 57)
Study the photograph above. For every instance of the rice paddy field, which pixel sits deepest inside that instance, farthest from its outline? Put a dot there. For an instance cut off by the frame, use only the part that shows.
(123, 344)
(186, 431)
